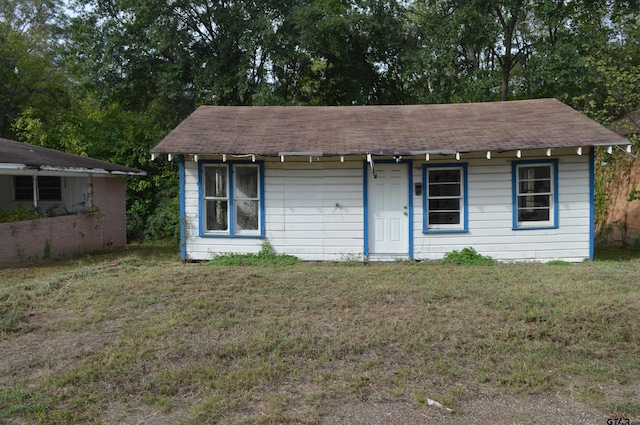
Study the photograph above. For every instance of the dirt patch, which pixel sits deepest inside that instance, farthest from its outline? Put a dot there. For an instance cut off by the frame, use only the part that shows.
(494, 409)
(139, 414)
(38, 358)
(44, 351)
(497, 409)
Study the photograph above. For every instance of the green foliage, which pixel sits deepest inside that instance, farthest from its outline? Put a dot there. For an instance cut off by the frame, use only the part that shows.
(265, 257)
(22, 213)
(19, 213)
(163, 224)
(467, 256)
(558, 263)
(153, 205)
(615, 253)
(30, 76)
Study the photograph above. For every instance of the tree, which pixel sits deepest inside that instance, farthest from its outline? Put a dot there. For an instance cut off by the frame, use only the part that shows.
(182, 52)
(347, 52)
(30, 76)
(452, 60)
(513, 17)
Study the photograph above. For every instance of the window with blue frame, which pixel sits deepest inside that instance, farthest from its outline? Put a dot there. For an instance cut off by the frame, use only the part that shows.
(535, 194)
(231, 201)
(445, 198)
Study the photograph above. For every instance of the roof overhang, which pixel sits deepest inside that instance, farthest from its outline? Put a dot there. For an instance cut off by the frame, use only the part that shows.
(427, 154)
(24, 169)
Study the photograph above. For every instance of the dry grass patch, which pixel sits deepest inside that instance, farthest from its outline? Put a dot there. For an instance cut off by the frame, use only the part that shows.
(277, 344)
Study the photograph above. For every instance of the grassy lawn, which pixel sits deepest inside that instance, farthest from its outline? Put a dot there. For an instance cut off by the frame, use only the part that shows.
(94, 339)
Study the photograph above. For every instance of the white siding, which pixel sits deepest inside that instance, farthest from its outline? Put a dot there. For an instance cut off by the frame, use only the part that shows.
(491, 216)
(312, 210)
(315, 211)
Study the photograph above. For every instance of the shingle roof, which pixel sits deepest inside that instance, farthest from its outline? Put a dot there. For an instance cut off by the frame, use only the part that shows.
(398, 129)
(23, 155)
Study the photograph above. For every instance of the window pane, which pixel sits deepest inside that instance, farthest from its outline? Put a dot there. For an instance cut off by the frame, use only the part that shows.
(533, 214)
(444, 204)
(217, 215)
(444, 182)
(444, 218)
(23, 186)
(534, 179)
(534, 173)
(246, 215)
(535, 186)
(49, 188)
(447, 189)
(215, 182)
(538, 201)
(246, 182)
(444, 176)
(534, 208)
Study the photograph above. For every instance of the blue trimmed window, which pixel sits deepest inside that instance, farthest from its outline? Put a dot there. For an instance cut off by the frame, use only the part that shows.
(535, 194)
(231, 199)
(445, 199)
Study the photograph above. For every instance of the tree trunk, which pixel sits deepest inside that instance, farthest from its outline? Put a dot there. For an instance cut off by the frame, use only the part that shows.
(506, 73)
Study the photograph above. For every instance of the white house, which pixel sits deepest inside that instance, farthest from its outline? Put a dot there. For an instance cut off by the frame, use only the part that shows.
(514, 180)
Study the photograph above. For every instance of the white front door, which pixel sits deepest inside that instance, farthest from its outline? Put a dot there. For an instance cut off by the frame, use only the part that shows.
(388, 211)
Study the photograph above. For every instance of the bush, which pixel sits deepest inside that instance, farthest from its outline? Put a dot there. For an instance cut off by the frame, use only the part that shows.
(24, 213)
(149, 222)
(164, 223)
(265, 257)
(558, 263)
(19, 213)
(467, 256)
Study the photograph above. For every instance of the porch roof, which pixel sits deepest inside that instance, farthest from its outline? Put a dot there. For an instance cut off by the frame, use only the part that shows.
(21, 156)
(389, 129)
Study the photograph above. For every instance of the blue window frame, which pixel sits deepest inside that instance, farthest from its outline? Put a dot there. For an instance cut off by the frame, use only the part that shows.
(445, 198)
(535, 194)
(231, 199)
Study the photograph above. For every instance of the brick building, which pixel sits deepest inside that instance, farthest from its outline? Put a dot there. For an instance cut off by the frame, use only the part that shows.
(79, 203)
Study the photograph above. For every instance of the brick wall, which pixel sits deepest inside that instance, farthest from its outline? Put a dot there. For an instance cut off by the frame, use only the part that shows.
(109, 199)
(56, 237)
(51, 237)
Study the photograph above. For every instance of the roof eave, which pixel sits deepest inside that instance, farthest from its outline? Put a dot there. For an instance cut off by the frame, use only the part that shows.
(93, 170)
(385, 152)
(74, 170)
